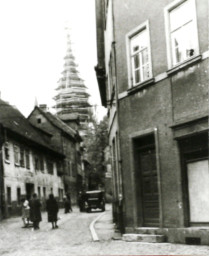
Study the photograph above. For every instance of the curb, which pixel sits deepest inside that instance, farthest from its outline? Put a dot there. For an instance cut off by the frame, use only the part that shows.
(92, 229)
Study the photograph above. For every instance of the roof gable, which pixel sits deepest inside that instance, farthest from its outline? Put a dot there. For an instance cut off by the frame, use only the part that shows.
(13, 120)
(56, 121)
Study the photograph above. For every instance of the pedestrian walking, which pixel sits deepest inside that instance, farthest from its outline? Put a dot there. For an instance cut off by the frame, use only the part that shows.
(81, 201)
(35, 211)
(25, 212)
(52, 210)
(67, 203)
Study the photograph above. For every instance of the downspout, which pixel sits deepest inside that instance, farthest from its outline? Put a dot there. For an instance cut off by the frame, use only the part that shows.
(62, 149)
(121, 184)
(2, 203)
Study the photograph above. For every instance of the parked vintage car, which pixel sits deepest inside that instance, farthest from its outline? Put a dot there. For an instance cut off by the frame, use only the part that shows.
(92, 200)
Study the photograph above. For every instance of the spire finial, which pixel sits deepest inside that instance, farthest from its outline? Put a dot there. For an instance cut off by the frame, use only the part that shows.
(36, 102)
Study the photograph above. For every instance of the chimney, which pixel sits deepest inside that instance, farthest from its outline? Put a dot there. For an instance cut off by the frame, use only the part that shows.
(43, 107)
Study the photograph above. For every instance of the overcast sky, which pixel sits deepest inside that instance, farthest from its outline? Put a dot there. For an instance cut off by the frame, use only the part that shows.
(33, 45)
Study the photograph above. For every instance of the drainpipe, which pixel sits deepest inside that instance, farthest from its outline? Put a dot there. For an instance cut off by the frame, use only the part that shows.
(2, 203)
(121, 186)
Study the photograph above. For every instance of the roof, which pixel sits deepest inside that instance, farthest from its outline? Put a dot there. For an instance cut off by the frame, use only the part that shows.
(12, 119)
(56, 121)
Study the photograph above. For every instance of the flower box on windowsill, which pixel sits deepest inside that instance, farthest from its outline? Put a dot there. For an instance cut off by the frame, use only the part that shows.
(184, 64)
(141, 86)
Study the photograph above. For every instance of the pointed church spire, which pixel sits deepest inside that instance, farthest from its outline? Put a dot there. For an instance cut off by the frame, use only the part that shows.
(36, 102)
(72, 96)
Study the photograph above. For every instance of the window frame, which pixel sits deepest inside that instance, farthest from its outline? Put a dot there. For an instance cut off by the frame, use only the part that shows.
(175, 4)
(27, 159)
(36, 163)
(18, 196)
(41, 163)
(137, 30)
(22, 157)
(60, 194)
(50, 166)
(16, 155)
(44, 192)
(9, 196)
(7, 152)
(39, 192)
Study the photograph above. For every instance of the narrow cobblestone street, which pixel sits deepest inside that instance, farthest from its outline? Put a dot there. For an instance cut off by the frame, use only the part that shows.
(74, 238)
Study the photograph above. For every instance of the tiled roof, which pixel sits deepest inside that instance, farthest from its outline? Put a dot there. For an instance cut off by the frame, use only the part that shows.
(12, 119)
(59, 123)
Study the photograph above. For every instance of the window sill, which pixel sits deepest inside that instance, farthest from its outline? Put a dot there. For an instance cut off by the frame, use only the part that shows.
(141, 86)
(184, 64)
(17, 164)
(7, 161)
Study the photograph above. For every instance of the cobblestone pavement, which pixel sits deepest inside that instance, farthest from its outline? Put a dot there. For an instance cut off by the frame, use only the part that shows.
(74, 238)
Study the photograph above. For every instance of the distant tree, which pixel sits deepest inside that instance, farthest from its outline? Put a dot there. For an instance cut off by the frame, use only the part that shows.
(96, 141)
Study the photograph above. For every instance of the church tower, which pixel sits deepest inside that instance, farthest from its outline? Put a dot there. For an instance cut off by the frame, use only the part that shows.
(72, 98)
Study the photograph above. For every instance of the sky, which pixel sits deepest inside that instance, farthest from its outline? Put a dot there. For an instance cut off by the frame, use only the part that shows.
(33, 45)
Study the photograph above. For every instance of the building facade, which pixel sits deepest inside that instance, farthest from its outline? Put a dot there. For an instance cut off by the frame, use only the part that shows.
(66, 140)
(157, 89)
(29, 164)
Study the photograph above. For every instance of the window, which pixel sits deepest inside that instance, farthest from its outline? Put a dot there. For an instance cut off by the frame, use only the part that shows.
(22, 160)
(39, 192)
(16, 155)
(50, 167)
(41, 164)
(59, 169)
(183, 39)
(44, 192)
(39, 120)
(6, 152)
(139, 55)
(9, 200)
(18, 196)
(27, 158)
(37, 163)
(60, 193)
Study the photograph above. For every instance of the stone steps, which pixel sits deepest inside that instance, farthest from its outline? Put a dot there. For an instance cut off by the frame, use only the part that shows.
(146, 238)
(147, 230)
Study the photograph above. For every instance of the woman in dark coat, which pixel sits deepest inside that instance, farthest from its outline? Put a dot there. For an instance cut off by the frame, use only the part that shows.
(52, 210)
(35, 211)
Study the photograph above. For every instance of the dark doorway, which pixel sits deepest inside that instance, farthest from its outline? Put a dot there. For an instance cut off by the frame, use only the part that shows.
(147, 182)
(29, 189)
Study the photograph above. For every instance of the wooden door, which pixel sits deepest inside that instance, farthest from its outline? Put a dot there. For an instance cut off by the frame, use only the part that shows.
(149, 186)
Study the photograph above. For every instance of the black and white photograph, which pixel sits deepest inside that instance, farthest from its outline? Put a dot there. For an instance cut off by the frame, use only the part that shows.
(104, 127)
